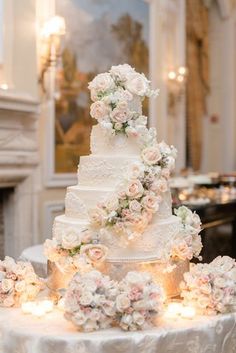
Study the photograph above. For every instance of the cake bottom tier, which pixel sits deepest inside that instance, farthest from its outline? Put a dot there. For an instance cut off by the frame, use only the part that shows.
(168, 275)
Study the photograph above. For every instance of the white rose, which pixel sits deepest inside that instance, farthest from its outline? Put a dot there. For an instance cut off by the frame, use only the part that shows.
(142, 120)
(126, 321)
(136, 170)
(122, 105)
(20, 286)
(71, 239)
(97, 216)
(112, 203)
(151, 155)
(138, 318)
(86, 298)
(137, 84)
(8, 302)
(134, 189)
(134, 277)
(218, 295)
(99, 110)
(122, 302)
(219, 282)
(7, 285)
(121, 71)
(170, 161)
(102, 82)
(118, 126)
(120, 115)
(135, 206)
(232, 274)
(151, 203)
(79, 318)
(106, 126)
(162, 185)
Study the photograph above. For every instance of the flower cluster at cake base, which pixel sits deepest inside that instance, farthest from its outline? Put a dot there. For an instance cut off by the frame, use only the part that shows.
(75, 250)
(18, 282)
(129, 211)
(93, 301)
(90, 301)
(139, 301)
(187, 243)
(114, 94)
(211, 288)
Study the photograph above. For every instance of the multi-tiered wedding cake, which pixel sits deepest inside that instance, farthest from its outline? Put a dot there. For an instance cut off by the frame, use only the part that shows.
(119, 216)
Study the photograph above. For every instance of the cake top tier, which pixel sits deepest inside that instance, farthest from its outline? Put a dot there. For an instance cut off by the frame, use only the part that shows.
(117, 100)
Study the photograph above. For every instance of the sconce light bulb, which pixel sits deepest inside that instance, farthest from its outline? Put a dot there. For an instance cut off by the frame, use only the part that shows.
(180, 78)
(54, 26)
(182, 70)
(172, 75)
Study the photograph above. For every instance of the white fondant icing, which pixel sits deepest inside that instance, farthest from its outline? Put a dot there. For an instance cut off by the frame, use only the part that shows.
(103, 171)
(103, 144)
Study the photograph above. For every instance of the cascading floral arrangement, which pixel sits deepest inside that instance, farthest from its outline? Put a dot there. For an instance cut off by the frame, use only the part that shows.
(113, 94)
(129, 211)
(93, 301)
(18, 282)
(75, 251)
(186, 243)
(211, 288)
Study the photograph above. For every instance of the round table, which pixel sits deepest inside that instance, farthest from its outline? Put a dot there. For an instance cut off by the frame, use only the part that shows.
(34, 254)
(22, 333)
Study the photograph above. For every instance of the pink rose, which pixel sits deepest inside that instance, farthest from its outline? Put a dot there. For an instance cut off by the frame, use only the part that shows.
(134, 189)
(137, 84)
(151, 203)
(97, 216)
(95, 252)
(135, 206)
(151, 155)
(99, 110)
(120, 115)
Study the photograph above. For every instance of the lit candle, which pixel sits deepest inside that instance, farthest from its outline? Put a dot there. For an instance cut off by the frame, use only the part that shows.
(27, 307)
(38, 311)
(188, 312)
(47, 305)
(174, 309)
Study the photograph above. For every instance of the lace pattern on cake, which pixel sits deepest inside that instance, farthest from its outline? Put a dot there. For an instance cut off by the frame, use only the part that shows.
(102, 143)
(101, 171)
(74, 206)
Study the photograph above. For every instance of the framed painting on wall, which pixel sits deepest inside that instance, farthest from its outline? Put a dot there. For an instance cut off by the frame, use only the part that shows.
(99, 34)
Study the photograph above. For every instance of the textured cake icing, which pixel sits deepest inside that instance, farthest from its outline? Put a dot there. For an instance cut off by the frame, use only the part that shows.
(120, 211)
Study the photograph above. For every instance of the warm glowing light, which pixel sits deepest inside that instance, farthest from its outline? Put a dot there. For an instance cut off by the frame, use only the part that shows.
(180, 78)
(188, 312)
(27, 307)
(4, 86)
(182, 70)
(55, 26)
(38, 309)
(172, 75)
(175, 309)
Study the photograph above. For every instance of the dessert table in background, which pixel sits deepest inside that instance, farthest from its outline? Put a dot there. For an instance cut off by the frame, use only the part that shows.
(22, 333)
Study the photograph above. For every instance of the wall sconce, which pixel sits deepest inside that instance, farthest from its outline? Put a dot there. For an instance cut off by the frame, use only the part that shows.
(176, 82)
(50, 42)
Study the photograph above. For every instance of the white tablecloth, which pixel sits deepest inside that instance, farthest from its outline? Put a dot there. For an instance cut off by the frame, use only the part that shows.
(35, 255)
(53, 334)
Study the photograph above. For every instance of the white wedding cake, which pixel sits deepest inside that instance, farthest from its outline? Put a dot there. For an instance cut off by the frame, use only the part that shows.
(119, 215)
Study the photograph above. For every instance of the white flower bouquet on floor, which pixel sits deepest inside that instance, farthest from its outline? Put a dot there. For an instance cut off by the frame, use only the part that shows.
(18, 282)
(211, 288)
